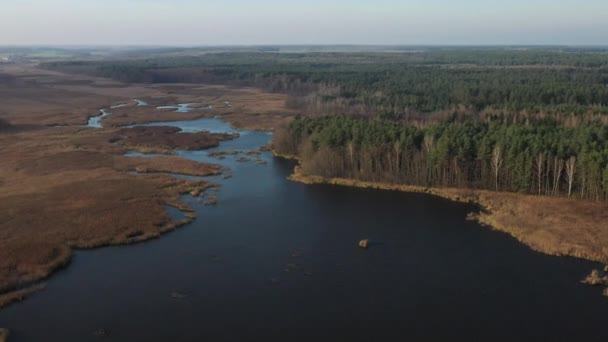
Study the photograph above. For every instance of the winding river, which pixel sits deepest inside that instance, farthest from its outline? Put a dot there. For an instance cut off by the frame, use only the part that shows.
(278, 261)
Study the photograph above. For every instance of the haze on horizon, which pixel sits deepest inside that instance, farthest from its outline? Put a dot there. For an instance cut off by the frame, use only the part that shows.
(236, 22)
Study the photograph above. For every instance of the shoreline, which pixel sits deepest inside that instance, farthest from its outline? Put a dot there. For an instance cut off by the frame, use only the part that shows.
(496, 214)
(98, 202)
(39, 284)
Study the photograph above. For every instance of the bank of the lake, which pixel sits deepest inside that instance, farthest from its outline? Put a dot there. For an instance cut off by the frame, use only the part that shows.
(4, 334)
(278, 260)
(545, 224)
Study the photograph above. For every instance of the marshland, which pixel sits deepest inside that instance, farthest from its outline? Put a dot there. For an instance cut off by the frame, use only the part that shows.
(483, 203)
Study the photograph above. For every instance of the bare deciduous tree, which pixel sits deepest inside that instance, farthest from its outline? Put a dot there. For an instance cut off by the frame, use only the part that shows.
(496, 163)
(570, 171)
(350, 147)
(558, 168)
(540, 167)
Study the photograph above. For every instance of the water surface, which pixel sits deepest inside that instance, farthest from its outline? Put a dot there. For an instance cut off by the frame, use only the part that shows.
(186, 107)
(278, 261)
(95, 121)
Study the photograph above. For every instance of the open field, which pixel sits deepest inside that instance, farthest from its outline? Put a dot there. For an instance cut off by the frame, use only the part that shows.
(64, 185)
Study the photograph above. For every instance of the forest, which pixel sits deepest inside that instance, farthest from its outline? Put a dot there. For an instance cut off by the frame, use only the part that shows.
(526, 120)
(398, 85)
(542, 157)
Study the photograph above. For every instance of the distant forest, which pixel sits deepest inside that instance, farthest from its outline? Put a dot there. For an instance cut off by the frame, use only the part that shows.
(394, 85)
(522, 120)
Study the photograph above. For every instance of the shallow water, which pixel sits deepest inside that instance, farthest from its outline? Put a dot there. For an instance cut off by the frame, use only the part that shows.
(95, 121)
(185, 107)
(216, 125)
(278, 261)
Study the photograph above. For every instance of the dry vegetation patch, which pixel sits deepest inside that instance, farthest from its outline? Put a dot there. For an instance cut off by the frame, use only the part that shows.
(596, 278)
(132, 115)
(70, 186)
(61, 197)
(29, 100)
(167, 138)
(4, 334)
(244, 108)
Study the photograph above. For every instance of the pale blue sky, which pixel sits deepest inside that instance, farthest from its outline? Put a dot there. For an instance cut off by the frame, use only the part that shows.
(226, 22)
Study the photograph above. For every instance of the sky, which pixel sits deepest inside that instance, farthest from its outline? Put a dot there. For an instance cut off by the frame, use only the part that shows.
(240, 22)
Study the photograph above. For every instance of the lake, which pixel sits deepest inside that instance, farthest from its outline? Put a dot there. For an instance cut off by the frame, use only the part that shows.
(278, 261)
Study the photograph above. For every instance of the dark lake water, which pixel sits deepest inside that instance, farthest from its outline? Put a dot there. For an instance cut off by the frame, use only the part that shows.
(278, 261)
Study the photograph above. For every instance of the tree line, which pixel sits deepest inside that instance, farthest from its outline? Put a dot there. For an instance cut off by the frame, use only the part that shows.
(393, 85)
(541, 157)
(524, 120)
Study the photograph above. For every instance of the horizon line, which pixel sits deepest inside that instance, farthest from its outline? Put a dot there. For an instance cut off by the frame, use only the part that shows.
(58, 45)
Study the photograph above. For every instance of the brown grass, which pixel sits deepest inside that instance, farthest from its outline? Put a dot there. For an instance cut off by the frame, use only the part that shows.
(4, 334)
(80, 209)
(69, 187)
(257, 121)
(31, 100)
(44, 97)
(596, 278)
(20, 295)
(167, 138)
(59, 193)
(248, 108)
(550, 225)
